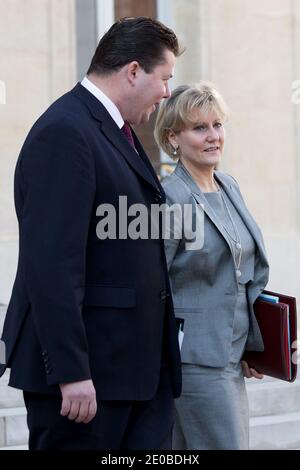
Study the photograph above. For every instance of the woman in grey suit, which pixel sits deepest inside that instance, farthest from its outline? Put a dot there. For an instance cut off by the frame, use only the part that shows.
(214, 283)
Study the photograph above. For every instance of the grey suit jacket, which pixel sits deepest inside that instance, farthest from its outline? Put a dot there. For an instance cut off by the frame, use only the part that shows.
(203, 281)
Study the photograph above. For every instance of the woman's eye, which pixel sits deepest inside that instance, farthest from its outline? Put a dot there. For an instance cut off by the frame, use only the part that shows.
(199, 128)
(218, 124)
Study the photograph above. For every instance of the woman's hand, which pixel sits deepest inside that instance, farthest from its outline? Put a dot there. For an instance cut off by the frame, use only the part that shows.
(249, 373)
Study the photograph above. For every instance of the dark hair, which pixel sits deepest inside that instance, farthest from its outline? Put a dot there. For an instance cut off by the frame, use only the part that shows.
(141, 39)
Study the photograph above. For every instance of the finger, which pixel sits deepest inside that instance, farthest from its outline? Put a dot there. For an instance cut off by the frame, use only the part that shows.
(65, 407)
(92, 411)
(256, 374)
(83, 412)
(74, 410)
(246, 370)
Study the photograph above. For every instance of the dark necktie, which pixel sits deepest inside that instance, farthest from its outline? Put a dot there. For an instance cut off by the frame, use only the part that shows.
(128, 134)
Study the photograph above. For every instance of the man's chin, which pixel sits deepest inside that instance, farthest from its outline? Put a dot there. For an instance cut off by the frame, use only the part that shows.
(142, 119)
(145, 117)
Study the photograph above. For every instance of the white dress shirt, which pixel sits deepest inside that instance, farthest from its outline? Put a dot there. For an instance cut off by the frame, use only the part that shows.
(107, 102)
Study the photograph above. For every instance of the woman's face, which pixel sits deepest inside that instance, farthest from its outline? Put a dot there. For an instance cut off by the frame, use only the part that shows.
(201, 144)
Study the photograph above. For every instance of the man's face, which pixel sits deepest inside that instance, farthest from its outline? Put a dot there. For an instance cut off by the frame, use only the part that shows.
(150, 88)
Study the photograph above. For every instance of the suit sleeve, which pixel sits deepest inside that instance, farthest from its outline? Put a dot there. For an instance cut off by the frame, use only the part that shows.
(58, 175)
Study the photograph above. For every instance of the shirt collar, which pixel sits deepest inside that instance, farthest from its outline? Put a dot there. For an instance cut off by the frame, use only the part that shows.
(105, 100)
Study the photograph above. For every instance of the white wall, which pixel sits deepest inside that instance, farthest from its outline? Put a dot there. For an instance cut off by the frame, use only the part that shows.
(251, 51)
(37, 64)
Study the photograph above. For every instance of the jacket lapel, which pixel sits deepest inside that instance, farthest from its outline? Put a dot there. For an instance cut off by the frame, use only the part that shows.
(234, 197)
(110, 129)
(243, 211)
(200, 198)
(147, 162)
(115, 136)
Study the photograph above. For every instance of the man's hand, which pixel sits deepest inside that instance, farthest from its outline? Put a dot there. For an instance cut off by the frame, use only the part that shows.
(249, 373)
(79, 401)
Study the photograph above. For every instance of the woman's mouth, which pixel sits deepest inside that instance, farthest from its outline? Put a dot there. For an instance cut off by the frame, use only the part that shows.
(212, 149)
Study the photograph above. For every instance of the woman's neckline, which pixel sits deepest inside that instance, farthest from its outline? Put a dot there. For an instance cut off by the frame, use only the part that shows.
(212, 192)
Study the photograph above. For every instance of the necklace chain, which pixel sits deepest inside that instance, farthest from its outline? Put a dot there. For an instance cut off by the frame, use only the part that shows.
(235, 243)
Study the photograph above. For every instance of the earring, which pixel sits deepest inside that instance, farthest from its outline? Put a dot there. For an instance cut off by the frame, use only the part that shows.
(174, 152)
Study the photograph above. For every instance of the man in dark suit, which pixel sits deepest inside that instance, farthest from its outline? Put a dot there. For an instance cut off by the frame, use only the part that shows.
(90, 332)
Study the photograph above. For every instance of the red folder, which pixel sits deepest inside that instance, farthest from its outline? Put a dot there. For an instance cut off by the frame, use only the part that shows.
(278, 326)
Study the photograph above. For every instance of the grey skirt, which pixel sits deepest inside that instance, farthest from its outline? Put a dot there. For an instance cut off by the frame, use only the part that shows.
(212, 411)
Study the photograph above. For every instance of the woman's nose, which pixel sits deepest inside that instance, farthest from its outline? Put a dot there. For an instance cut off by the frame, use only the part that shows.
(212, 134)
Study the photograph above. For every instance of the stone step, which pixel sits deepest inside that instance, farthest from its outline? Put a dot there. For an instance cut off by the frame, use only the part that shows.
(275, 432)
(9, 397)
(23, 447)
(273, 397)
(13, 426)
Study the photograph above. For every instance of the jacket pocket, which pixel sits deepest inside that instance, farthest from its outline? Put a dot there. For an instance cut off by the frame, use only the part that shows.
(107, 296)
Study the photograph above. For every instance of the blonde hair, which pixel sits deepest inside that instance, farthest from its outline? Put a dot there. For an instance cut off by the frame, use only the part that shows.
(176, 112)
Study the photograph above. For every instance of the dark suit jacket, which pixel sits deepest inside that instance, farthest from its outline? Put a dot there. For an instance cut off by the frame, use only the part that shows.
(82, 307)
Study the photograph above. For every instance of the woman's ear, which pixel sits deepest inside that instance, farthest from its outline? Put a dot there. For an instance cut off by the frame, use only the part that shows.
(173, 139)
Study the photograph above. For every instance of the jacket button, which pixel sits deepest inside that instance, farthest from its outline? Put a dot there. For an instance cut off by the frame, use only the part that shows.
(48, 370)
(157, 197)
(164, 294)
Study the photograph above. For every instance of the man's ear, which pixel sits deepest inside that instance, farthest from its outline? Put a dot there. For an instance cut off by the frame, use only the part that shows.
(132, 71)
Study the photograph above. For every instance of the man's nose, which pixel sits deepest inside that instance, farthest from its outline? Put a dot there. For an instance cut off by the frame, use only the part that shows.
(167, 91)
